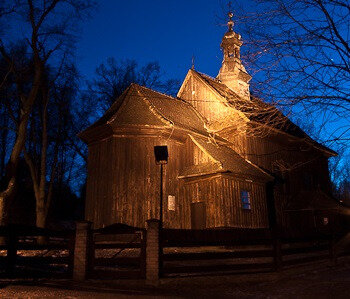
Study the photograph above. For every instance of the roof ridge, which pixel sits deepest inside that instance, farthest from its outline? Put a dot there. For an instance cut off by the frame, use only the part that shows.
(161, 93)
(205, 76)
(209, 77)
(173, 98)
(152, 107)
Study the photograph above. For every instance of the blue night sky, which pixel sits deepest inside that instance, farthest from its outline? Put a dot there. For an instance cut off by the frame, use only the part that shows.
(169, 32)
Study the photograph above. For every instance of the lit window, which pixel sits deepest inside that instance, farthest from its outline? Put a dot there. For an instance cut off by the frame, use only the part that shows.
(245, 198)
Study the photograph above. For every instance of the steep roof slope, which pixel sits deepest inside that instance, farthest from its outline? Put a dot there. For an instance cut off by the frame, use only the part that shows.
(225, 159)
(141, 106)
(176, 111)
(260, 112)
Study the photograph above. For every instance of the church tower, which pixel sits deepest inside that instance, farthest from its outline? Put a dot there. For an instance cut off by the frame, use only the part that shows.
(232, 72)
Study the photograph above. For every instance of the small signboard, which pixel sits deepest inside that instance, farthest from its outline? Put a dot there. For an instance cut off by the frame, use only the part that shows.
(171, 202)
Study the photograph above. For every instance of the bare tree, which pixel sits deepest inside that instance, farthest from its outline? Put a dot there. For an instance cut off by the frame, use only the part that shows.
(114, 77)
(298, 53)
(49, 35)
(49, 124)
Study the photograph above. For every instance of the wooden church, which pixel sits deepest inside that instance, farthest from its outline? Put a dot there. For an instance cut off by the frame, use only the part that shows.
(234, 161)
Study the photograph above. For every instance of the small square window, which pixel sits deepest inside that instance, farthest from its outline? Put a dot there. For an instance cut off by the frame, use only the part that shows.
(245, 198)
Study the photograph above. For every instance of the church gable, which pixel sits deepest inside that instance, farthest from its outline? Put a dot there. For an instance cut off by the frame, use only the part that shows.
(209, 103)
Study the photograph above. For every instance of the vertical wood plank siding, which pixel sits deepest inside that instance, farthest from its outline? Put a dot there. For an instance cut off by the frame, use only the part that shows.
(123, 186)
(270, 151)
(221, 193)
(123, 179)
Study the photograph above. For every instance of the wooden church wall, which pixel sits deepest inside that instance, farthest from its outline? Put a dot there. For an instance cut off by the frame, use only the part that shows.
(292, 162)
(124, 181)
(206, 189)
(222, 197)
(254, 218)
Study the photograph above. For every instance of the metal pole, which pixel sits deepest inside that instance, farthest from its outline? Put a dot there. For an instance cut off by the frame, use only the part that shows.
(161, 223)
(161, 197)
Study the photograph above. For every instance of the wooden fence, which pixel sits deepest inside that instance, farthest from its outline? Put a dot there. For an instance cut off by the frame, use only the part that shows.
(27, 257)
(247, 250)
(118, 251)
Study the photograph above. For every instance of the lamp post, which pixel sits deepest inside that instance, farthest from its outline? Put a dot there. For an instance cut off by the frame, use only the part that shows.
(161, 155)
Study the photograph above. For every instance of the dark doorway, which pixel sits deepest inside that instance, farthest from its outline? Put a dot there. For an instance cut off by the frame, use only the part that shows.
(198, 215)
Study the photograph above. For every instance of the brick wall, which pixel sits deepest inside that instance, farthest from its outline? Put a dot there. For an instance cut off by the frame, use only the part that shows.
(152, 251)
(81, 250)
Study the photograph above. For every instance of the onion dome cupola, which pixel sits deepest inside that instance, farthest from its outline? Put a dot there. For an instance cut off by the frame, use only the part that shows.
(232, 72)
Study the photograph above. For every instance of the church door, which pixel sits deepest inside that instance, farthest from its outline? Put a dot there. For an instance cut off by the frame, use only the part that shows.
(198, 215)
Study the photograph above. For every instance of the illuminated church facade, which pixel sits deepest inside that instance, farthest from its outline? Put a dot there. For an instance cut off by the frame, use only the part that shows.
(234, 160)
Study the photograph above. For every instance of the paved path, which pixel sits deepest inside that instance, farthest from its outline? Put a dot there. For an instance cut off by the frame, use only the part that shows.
(317, 280)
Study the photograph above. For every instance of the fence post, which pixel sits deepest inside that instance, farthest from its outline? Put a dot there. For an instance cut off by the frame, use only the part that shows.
(11, 250)
(143, 254)
(331, 250)
(81, 250)
(152, 251)
(277, 251)
(71, 247)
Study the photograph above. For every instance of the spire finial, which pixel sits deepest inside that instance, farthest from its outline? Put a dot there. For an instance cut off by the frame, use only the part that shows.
(230, 15)
(192, 67)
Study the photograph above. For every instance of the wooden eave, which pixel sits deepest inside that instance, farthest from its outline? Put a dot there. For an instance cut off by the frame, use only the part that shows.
(263, 175)
(224, 173)
(308, 140)
(177, 133)
(95, 133)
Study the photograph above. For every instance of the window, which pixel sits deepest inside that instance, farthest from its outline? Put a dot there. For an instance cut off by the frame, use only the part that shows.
(245, 198)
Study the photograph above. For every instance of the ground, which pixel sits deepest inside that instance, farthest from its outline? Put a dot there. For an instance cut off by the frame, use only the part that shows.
(316, 280)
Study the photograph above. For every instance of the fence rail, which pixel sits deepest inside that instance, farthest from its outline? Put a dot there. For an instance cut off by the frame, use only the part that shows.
(25, 238)
(245, 249)
(114, 241)
(120, 251)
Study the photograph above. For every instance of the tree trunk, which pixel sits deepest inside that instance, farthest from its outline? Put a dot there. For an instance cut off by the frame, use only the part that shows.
(5, 198)
(2, 210)
(3, 142)
(11, 169)
(41, 217)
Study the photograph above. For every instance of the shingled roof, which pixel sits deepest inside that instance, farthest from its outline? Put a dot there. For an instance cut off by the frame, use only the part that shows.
(260, 112)
(224, 159)
(141, 106)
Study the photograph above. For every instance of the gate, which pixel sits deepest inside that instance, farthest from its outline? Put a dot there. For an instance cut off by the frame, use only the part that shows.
(118, 251)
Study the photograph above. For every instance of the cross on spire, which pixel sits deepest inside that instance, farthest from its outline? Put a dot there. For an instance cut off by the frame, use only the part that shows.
(230, 15)
(230, 22)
